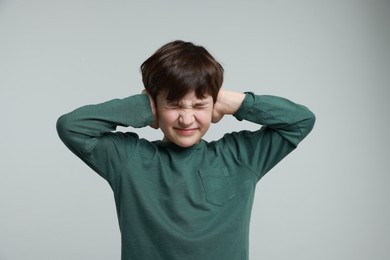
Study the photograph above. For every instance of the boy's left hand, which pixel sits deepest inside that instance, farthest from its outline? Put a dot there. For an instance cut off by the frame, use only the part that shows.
(228, 102)
(218, 112)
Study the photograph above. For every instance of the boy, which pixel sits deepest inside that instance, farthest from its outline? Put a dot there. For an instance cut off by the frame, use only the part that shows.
(183, 198)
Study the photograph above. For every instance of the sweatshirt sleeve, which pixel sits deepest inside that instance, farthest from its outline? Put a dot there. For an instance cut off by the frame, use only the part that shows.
(89, 132)
(284, 125)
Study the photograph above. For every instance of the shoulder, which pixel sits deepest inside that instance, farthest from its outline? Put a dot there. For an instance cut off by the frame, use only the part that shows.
(237, 140)
(238, 137)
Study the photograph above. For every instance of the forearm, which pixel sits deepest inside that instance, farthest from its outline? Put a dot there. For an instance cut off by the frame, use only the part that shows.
(292, 121)
(93, 121)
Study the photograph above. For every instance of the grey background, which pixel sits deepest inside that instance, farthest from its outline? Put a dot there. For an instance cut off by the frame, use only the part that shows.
(327, 200)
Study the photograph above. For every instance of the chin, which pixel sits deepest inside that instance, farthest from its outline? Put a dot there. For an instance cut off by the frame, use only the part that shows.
(182, 141)
(185, 143)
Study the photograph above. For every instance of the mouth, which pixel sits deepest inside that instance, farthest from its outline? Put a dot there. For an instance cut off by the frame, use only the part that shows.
(185, 131)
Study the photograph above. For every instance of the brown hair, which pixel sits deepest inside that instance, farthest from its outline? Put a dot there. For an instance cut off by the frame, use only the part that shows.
(178, 68)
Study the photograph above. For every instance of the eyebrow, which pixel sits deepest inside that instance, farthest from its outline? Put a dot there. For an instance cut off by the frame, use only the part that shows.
(196, 104)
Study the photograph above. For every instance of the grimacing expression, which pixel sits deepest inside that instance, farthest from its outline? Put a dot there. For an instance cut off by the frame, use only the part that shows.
(185, 122)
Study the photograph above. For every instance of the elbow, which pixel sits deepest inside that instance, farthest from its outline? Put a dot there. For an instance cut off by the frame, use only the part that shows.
(308, 124)
(312, 120)
(62, 126)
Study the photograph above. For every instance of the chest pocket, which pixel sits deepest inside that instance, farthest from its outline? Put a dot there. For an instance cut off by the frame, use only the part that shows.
(218, 185)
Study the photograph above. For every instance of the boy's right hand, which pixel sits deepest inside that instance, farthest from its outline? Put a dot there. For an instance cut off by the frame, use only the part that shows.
(154, 124)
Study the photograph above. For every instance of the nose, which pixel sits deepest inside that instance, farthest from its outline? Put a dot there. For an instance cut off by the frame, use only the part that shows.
(186, 117)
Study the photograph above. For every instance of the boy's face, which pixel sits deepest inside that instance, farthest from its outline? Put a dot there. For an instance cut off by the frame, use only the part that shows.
(186, 122)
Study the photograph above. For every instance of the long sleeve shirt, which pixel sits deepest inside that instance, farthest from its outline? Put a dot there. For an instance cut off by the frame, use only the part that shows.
(177, 203)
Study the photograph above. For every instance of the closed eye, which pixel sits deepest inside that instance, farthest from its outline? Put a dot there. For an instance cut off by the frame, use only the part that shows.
(172, 107)
(201, 107)
(198, 106)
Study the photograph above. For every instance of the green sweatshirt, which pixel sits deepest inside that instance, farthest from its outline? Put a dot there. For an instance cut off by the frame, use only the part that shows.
(177, 203)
